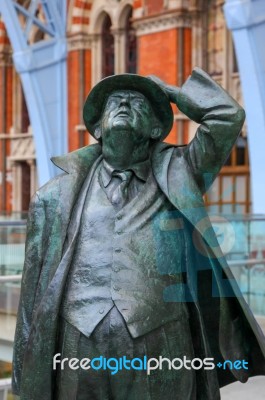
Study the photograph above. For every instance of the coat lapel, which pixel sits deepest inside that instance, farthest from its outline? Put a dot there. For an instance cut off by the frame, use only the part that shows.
(77, 166)
(78, 162)
(42, 339)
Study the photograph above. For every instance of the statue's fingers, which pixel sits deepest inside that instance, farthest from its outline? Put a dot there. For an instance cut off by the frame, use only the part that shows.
(171, 91)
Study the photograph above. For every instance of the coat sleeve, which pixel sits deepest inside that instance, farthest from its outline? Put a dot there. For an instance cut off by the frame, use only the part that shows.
(30, 279)
(220, 118)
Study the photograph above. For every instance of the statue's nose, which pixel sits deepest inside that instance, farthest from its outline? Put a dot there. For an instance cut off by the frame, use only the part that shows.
(124, 102)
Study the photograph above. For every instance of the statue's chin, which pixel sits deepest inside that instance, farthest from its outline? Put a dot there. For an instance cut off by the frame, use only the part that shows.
(121, 123)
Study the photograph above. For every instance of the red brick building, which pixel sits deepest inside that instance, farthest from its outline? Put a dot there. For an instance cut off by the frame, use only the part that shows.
(163, 37)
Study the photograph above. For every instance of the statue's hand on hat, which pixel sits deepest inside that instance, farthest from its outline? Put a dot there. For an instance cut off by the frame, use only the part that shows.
(172, 92)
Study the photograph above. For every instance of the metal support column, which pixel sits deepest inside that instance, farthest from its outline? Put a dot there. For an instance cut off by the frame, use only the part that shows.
(42, 68)
(246, 20)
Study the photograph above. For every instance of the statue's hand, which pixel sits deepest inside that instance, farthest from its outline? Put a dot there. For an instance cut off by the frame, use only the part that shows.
(171, 91)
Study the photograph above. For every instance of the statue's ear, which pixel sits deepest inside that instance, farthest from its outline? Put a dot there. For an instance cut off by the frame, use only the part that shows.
(97, 131)
(156, 133)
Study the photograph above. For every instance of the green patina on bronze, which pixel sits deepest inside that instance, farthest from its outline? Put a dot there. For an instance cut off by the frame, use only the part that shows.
(96, 100)
(131, 115)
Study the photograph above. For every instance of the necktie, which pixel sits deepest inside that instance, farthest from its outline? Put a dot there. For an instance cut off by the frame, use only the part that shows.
(120, 193)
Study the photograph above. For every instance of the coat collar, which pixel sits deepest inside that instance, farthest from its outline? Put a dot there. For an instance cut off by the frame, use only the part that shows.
(81, 160)
(186, 199)
(78, 161)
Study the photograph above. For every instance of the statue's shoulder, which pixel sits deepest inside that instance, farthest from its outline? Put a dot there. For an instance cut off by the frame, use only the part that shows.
(75, 166)
(51, 189)
(78, 161)
(162, 151)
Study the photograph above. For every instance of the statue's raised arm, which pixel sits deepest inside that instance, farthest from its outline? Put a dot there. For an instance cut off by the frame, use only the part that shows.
(220, 118)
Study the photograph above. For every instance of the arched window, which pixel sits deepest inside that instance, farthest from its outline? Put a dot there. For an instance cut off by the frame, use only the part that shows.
(107, 48)
(130, 47)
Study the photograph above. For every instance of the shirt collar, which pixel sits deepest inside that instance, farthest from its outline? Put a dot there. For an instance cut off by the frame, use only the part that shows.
(141, 170)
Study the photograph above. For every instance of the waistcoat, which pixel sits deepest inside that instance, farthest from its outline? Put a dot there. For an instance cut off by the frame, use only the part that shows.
(128, 258)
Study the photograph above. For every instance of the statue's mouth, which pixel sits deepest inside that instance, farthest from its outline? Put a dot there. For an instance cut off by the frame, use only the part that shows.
(123, 113)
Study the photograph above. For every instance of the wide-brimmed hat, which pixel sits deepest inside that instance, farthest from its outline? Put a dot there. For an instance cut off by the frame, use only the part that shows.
(157, 97)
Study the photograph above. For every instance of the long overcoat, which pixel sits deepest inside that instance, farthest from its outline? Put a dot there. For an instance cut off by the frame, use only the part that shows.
(183, 174)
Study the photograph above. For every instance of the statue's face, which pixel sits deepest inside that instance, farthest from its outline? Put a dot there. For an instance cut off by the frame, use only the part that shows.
(127, 112)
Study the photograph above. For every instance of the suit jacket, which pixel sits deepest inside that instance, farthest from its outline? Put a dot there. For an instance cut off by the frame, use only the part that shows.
(183, 174)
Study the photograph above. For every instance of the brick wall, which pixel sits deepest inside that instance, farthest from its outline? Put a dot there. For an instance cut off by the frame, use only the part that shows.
(154, 6)
(80, 17)
(79, 85)
(6, 97)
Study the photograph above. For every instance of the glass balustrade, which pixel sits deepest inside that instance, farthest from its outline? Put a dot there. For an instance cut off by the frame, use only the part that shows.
(242, 239)
(12, 252)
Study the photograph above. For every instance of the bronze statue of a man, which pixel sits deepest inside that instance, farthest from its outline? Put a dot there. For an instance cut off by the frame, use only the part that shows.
(122, 261)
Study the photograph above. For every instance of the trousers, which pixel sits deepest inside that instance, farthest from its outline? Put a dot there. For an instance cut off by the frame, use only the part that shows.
(111, 339)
